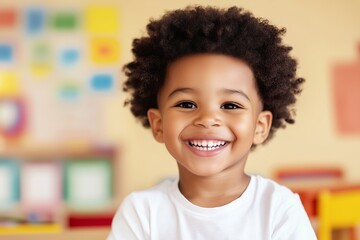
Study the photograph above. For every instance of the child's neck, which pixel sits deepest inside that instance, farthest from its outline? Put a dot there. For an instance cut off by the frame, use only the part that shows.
(212, 191)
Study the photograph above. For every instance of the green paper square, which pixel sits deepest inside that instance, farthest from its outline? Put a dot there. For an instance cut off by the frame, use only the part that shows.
(65, 21)
(88, 183)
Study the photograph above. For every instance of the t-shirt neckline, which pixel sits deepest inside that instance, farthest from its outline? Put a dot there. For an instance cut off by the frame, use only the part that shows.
(241, 202)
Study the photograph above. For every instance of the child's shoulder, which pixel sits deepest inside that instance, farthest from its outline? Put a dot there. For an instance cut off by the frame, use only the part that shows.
(265, 188)
(269, 184)
(159, 191)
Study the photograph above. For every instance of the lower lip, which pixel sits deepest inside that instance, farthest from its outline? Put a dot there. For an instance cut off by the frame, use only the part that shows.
(206, 153)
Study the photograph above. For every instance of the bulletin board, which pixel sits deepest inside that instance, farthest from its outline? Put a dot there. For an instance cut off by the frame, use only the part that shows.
(61, 63)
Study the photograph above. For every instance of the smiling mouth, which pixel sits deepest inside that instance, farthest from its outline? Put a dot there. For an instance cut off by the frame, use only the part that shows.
(207, 145)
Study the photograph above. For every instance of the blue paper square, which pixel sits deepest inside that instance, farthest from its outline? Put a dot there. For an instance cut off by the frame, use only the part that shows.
(69, 56)
(6, 53)
(102, 82)
(35, 20)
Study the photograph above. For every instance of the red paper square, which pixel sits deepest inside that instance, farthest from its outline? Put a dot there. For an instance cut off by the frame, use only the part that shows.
(8, 17)
(346, 86)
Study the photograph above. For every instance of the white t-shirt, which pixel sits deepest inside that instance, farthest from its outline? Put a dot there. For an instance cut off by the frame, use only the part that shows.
(266, 210)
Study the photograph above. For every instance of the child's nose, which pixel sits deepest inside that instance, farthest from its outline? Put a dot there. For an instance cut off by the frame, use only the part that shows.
(207, 118)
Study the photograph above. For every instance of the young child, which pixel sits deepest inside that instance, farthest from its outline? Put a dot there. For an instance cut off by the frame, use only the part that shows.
(212, 84)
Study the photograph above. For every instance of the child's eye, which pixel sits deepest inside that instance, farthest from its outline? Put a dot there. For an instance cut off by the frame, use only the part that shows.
(186, 105)
(231, 106)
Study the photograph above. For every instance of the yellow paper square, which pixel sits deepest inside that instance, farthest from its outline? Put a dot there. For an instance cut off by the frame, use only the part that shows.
(9, 84)
(105, 50)
(102, 19)
(40, 70)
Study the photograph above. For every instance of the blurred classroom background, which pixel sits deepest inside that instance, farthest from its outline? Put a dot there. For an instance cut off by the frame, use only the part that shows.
(70, 151)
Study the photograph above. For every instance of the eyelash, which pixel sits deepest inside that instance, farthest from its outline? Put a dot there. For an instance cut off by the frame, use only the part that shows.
(191, 105)
(182, 104)
(233, 106)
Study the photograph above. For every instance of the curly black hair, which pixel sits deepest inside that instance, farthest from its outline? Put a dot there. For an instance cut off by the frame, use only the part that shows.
(234, 32)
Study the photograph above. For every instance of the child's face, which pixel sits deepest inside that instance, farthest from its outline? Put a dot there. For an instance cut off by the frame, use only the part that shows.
(209, 113)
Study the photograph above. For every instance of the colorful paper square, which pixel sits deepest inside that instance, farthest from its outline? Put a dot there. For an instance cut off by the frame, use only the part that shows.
(8, 17)
(6, 53)
(88, 183)
(35, 20)
(41, 59)
(9, 183)
(102, 19)
(69, 90)
(346, 89)
(41, 52)
(69, 56)
(102, 82)
(40, 70)
(105, 50)
(9, 84)
(65, 20)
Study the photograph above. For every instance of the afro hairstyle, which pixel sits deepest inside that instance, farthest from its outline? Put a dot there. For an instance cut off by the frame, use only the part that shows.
(234, 32)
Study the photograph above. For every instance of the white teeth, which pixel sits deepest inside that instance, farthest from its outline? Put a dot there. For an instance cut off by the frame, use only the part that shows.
(206, 145)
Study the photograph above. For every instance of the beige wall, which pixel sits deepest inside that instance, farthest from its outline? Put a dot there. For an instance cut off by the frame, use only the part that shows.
(322, 32)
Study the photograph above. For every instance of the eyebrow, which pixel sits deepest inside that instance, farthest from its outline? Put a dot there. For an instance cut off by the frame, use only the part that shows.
(181, 90)
(225, 90)
(235, 91)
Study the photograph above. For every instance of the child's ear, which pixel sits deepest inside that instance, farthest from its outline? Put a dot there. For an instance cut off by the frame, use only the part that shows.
(263, 126)
(154, 116)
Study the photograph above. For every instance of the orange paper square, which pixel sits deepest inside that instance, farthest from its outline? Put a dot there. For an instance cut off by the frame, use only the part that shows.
(105, 50)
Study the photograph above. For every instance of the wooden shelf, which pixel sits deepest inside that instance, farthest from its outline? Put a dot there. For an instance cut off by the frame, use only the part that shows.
(30, 229)
(78, 234)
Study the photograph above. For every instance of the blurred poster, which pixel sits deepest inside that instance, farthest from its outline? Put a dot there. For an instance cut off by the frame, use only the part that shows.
(346, 89)
(88, 183)
(70, 114)
(41, 188)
